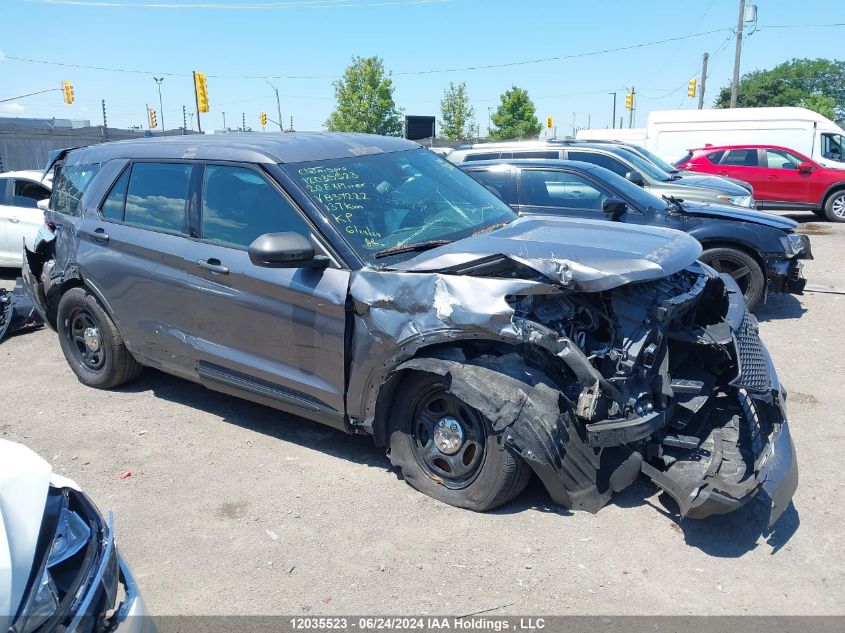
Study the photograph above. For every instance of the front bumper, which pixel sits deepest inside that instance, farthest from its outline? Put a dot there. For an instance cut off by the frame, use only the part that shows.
(786, 275)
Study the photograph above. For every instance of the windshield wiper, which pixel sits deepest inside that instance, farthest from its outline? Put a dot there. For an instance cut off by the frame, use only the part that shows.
(676, 203)
(410, 248)
(492, 228)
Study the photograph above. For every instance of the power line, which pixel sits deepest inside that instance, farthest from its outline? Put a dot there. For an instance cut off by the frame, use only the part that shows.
(241, 6)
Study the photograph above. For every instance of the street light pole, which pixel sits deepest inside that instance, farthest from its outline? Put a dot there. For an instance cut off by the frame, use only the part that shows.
(613, 118)
(158, 81)
(278, 106)
(738, 54)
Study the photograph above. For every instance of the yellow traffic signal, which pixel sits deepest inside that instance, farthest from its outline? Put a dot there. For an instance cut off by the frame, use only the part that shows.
(201, 91)
(629, 101)
(67, 89)
(263, 117)
(550, 122)
(692, 86)
(153, 120)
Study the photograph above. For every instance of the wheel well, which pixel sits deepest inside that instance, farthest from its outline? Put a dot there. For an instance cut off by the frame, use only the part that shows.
(833, 191)
(465, 349)
(708, 244)
(53, 306)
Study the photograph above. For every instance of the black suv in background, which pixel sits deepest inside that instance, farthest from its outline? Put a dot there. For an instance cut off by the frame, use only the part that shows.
(761, 251)
(365, 283)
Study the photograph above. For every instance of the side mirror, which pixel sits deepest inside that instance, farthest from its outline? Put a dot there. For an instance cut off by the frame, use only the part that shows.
(805, 167)
(615, 209)
(43, 204)
(636, 178)
(284, 250)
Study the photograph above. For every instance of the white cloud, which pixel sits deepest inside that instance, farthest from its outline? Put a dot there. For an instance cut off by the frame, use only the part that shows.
(11, 107)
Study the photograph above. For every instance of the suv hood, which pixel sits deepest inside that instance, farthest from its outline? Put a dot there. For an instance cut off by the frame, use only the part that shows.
(588, 255)
(24, 482)
(724, 212)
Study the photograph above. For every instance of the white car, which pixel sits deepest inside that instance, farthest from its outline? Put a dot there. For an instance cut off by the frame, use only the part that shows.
(59, 567)
(20, 217)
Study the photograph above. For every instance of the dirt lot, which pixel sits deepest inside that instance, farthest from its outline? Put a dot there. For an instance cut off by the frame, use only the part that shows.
(233, 508)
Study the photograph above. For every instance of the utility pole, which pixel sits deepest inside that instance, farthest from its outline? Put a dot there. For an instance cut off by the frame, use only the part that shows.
(735, 82)
(224, 122)
(291, 128)
(278, 106)
(184, 120)
(158, 81)
(703, 82)
(243, 121)
(197, 101)
(613, 118)
(633, 107)
(147, 108)
(191, 114)
(105, 123)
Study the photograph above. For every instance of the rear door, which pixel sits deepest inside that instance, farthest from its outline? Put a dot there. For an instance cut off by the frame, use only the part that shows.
(24, 217)
(277, 334)
(499, 181)
(784, 183)
(745, 165)
(132, 252)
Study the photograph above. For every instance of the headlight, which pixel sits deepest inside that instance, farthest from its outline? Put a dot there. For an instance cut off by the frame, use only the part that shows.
(793, 244)
(739, 201)
(72, 570)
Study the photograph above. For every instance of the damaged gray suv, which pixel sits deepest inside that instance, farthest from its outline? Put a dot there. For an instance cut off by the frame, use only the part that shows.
(365, 283)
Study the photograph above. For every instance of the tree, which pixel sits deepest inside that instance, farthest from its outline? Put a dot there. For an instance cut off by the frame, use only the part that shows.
(792, 83)
(823, 104)
(456, 113)
(365, 100)
(516, 117)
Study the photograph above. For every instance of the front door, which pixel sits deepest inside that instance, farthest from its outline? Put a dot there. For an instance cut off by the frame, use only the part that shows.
(277, 334)
(784, 183)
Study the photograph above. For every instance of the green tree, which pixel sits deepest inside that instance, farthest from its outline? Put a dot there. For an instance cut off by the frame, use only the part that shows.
(792, 83)
(823, 104)
(365, 100)
(456, 114)
(515, 118)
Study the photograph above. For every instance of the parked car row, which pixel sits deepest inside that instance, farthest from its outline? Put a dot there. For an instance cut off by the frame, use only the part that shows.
(20, 217)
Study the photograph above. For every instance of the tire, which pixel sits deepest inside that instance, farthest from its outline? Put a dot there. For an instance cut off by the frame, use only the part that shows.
(492, 475)
(834, 206)
(92, 346)
(744, 269)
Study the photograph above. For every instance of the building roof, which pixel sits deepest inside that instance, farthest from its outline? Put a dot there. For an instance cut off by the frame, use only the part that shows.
(255, 147)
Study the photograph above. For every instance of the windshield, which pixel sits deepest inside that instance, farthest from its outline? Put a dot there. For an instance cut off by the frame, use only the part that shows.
(643, 166)
(639, 196)
(654, 158)
(400, 199)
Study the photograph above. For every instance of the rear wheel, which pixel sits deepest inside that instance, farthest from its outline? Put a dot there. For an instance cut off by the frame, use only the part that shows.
(448, 450)
(92, 346)
(834, 207)
(744, 270)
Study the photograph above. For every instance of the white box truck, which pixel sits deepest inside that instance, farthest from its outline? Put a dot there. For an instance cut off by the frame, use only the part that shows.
(670, 133)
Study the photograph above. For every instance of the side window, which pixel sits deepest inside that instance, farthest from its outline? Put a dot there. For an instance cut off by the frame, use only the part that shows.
(543, 188)
(781, 159)
(602, 160)
(485, 156)
(31, 190)
(715, 157)
(238, 205)
(553, 153)
(832, 146)
(157, 194)
(499, 181)
(69, 187)
(740, 158)
(115, 203)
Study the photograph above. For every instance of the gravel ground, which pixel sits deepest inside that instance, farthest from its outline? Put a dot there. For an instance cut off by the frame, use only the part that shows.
(233, 508)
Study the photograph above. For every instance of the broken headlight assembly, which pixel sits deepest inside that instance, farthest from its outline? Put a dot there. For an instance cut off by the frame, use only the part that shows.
(793, 244)
(75, 577)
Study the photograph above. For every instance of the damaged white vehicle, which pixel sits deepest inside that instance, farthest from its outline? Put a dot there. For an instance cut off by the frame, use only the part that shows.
(365, 283)
(59, 567)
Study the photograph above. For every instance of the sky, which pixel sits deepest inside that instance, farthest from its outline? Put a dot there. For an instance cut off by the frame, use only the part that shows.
(561, 51)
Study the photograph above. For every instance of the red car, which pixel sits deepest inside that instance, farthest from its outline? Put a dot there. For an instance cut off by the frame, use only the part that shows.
(782, 178)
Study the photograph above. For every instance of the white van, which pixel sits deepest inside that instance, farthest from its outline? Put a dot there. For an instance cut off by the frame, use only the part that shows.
(634, 136)
(670, 133)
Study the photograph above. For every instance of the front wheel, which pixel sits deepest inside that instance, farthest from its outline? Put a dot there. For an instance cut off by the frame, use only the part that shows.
(834, 207)
(92, 346)
(448, 450)
(744, 270)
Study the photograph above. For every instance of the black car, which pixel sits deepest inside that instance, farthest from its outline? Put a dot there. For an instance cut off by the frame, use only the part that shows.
(761, 251)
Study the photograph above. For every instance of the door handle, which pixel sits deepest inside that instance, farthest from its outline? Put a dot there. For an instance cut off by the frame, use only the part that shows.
(213, 265)
(14, 220)
(100, 235)
(722, 173)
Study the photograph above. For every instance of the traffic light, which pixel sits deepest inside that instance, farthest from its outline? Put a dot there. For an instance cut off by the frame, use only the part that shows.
(629, 101)
(263, 117)
(67, 89)
(152, 116)
(550, 122)
(201, 91)
(692, 86)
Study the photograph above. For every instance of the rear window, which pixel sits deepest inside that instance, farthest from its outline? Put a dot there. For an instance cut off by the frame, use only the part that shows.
(70, 184)
(485, 156)
(714, 157)
(552, 153)
(683, 159)
(740, 158)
